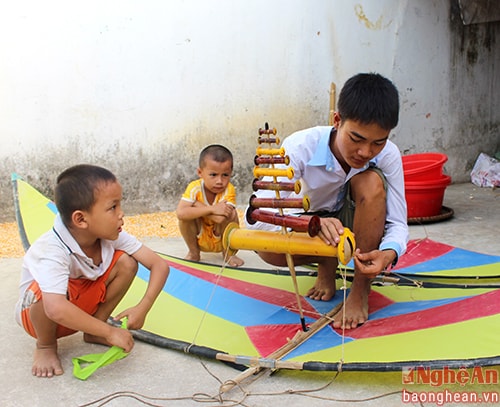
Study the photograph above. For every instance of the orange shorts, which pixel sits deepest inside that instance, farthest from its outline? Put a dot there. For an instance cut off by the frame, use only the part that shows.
(85, 294)
(207, 240)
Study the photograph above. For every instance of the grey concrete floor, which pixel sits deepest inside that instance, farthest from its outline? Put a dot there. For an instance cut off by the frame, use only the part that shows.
(175, 379)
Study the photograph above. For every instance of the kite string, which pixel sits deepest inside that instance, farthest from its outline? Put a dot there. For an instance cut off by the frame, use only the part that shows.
(343, 273)
(417, 283)
(426, 233)
(225, 261)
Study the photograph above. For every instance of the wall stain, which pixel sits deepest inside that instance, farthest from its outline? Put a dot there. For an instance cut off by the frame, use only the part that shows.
(475, 40)
(377, 25)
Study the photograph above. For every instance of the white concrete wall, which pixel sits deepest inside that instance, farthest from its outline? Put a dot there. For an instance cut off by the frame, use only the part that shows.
(141, 87)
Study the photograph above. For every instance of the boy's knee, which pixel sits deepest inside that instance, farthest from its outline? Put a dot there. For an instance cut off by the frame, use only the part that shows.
(369, 186)
(190, 227)
(127, 264)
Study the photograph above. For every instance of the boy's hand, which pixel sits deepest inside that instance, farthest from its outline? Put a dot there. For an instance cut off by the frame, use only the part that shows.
(331, 229)
(373, 263)
(122, 338)
(222, 209)
(136, 317)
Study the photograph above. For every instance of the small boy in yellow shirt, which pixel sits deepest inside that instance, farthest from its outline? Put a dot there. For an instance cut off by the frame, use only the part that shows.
(208, 204)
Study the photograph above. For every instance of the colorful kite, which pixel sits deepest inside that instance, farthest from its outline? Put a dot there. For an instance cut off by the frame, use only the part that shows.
(439, 308)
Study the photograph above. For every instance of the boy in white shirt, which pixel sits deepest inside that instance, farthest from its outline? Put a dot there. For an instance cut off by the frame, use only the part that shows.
(353, 176)
(74, 275)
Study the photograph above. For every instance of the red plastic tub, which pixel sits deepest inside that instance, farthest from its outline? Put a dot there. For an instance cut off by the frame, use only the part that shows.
(423, 166)
(425, 199)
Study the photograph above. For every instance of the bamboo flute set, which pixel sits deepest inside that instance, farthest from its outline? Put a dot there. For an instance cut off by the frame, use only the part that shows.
(299, 233)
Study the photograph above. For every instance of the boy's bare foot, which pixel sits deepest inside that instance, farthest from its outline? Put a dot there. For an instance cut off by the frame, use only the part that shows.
(235, 261)
(324, 287)
(95, 339)
(356, 312)
(192, 256)
(46, 362)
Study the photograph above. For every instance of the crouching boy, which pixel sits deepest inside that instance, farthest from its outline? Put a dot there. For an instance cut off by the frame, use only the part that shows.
(74, 275)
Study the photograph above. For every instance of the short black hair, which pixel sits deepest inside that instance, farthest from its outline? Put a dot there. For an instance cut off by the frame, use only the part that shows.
(216, 152)
(369, 98)
(76, 187)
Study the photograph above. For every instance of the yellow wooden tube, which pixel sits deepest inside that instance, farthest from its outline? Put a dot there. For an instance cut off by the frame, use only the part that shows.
(271, 151)
(273, 172)
(292, 243)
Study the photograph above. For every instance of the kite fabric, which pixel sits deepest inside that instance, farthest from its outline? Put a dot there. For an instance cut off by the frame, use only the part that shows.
(439, 308)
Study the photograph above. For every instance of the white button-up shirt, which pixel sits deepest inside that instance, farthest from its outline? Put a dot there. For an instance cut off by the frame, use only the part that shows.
(56, 257)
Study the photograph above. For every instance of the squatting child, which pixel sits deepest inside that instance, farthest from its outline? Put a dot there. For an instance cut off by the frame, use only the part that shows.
(353, 175)
(208, 204)
(74, 275)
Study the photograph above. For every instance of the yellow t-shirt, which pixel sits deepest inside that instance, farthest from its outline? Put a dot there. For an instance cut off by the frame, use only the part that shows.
(195, 191)
(207, 240)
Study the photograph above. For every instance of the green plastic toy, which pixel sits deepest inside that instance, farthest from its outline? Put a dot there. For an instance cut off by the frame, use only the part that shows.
(84, 366)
